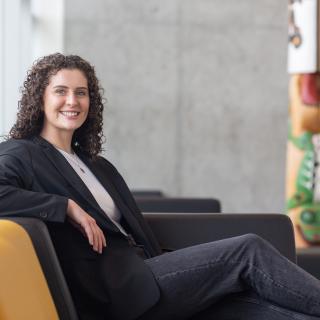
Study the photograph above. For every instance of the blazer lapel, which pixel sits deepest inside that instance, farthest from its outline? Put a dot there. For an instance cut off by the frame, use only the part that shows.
(67, 172)
(107, 183)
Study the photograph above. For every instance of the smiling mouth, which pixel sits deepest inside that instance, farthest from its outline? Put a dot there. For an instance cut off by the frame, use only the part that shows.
(70, 113)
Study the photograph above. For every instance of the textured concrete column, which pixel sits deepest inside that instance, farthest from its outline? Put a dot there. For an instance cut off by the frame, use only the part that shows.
(197, 94)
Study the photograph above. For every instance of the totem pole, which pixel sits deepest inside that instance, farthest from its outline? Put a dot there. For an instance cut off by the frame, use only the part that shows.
(303, 151)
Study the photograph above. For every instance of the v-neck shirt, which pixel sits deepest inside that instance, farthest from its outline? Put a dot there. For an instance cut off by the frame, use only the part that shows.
(99, 193)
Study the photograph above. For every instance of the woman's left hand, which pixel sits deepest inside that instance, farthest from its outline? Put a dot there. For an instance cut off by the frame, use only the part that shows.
(87, 225)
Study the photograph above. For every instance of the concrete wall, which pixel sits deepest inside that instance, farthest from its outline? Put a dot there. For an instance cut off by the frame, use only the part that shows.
(197, 94)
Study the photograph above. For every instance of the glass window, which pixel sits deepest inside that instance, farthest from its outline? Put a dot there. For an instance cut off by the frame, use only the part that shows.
(28, 29)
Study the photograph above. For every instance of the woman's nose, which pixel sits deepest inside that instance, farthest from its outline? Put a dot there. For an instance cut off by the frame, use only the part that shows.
(72, 99)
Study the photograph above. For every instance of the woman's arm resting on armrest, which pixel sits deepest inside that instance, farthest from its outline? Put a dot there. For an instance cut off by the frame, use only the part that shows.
(17, 197)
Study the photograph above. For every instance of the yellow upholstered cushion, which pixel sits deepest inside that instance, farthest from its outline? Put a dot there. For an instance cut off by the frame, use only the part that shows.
(24, 293)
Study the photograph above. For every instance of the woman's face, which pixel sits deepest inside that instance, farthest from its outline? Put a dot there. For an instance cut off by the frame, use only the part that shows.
(65, 101)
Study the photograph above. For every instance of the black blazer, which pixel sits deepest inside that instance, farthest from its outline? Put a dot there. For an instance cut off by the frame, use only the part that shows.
(37, 181)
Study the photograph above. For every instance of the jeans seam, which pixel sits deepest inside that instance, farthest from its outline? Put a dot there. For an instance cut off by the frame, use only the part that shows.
(273, 307)
(211, 263)
(297, 294)
(200, 267)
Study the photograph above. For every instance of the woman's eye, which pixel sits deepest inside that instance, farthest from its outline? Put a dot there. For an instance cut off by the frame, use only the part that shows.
(81, 93)
(60, 91)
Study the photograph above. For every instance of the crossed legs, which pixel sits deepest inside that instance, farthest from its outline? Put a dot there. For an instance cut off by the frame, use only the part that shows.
(194, 279)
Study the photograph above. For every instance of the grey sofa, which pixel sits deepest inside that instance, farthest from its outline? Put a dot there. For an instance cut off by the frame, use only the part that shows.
(173, 231)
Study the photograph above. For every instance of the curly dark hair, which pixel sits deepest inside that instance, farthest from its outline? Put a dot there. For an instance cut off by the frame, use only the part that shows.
(89, 137)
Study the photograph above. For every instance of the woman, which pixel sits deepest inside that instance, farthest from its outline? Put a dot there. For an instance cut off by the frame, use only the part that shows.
(50, 169)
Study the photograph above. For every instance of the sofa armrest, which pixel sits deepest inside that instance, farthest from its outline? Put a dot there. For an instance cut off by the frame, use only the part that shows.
(176, 231)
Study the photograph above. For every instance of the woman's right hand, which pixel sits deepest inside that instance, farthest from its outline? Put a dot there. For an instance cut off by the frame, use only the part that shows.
(87, 225)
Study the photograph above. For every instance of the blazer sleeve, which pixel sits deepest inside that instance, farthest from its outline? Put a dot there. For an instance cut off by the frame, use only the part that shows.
(17, 199)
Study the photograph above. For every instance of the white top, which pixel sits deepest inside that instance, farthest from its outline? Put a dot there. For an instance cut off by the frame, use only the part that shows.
(100, 194)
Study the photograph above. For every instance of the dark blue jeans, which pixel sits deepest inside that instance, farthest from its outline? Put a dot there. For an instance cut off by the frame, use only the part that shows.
(240, 278)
